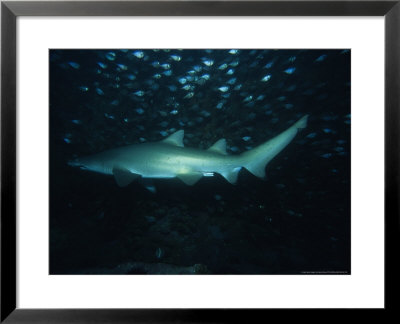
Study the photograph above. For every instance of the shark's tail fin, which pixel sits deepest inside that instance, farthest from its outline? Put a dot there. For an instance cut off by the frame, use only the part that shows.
(301, 123)
(257, 159)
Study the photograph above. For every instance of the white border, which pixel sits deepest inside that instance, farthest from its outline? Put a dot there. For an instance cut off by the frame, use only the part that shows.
(363, 288)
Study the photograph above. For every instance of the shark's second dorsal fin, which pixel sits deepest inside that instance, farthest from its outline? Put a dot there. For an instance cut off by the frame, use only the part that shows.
(219, 147)
(124, 176)
(175, 139)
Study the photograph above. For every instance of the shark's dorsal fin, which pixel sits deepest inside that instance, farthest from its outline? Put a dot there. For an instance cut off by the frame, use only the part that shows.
(219, 147)
(190, 178)
(175, 139)
(124, 176)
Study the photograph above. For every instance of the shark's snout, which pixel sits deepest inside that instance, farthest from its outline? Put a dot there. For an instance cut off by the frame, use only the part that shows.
(73, 163)
(76, 163)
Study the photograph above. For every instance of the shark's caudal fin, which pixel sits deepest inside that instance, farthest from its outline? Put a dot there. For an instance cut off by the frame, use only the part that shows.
(257, 159)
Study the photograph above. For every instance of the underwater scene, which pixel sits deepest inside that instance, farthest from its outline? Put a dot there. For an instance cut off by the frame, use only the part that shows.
(199, 161)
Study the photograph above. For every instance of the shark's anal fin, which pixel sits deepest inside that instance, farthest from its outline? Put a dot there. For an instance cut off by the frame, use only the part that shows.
(219, 147)
(175, 139)
(231, 176)
(190, 178)
(123, 177)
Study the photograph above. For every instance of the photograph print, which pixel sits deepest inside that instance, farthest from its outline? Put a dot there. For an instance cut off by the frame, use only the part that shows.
(199, 161)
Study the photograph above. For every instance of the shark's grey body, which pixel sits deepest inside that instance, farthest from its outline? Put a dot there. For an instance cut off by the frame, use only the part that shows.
(170, 159)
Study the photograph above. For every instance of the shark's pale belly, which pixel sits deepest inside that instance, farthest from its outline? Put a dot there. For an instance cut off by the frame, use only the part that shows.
(164, 161)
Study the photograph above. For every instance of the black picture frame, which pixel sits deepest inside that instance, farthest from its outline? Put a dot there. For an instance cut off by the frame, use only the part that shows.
(10, 10)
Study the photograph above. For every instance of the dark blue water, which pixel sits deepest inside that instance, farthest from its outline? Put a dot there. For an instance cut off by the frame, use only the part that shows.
(295, 221)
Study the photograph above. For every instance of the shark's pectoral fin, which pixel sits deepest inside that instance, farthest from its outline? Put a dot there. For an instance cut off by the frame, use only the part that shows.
(123, 177)
(231, 176)
(190, 178)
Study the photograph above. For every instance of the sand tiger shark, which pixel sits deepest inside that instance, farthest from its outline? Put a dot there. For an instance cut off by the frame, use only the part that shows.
(169, 159)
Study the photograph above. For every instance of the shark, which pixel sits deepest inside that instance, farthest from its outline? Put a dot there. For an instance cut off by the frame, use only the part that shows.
(169, 158)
